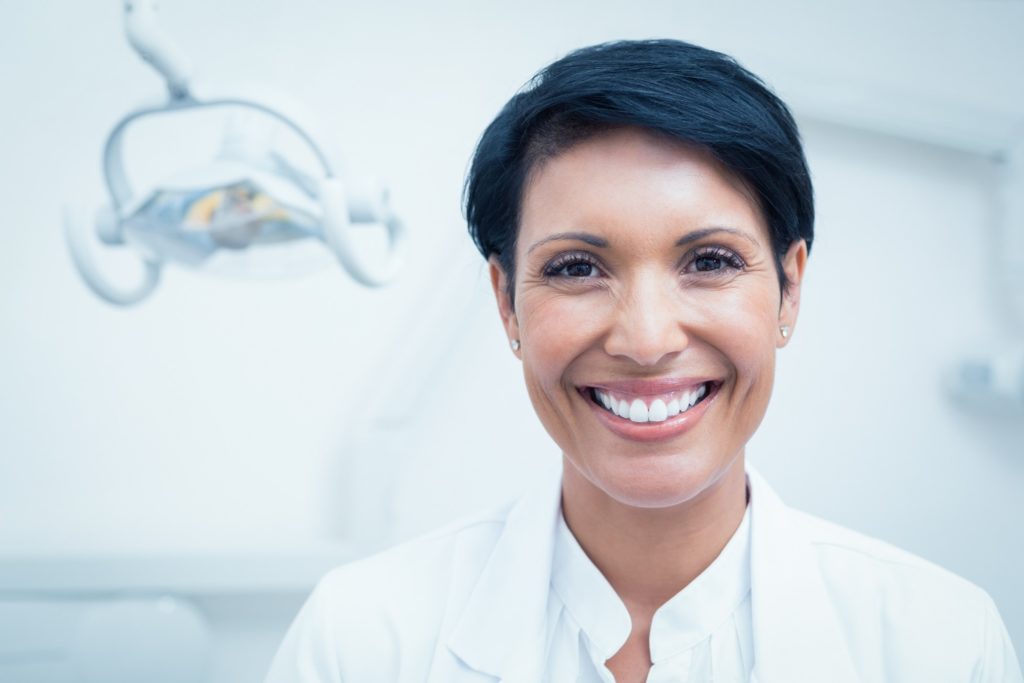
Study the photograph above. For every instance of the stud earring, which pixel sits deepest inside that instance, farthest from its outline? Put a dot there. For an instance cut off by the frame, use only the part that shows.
(515, 344)
(784, 329)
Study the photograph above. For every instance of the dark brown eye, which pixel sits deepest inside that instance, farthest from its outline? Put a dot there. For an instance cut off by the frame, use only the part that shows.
(579, 269)
(706, 263)
(715, 261)
(574, 266)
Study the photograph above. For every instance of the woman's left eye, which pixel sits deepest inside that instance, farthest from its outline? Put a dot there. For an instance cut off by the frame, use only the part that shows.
(714, 260)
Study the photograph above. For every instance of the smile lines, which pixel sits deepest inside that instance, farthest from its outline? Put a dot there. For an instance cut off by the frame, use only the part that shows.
(658, 410)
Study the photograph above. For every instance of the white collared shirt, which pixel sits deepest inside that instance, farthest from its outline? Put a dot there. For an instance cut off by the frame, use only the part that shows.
(704, 633)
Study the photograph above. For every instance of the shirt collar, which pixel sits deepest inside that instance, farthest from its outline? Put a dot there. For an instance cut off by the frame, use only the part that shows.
(693, 613)
(685, 620)
(587, 596)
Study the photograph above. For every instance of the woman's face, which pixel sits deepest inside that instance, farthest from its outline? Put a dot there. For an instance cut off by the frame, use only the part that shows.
(645, 283)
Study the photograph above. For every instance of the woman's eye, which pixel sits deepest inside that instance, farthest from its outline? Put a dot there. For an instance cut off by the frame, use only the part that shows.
(575, 267)
(578, 270)
(706, 263)
(715, 260)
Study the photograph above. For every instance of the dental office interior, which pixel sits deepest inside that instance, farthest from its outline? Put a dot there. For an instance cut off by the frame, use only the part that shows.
(193, 432)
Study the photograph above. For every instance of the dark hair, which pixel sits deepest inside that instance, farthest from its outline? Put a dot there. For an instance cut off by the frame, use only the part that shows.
(688, 93)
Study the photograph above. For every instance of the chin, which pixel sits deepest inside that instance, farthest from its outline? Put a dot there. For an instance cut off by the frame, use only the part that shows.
(659, 481)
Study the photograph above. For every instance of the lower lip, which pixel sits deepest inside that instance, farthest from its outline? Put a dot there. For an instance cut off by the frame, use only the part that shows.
(653, 431)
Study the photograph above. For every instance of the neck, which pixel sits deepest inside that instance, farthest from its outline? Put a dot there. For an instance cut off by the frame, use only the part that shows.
(650, 554)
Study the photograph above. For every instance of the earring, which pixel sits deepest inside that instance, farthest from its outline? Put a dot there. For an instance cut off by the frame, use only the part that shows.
(515, 344)
(784, 329)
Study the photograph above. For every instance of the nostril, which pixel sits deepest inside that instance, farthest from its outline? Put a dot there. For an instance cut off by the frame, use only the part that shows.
(647, 352)
(647, 337)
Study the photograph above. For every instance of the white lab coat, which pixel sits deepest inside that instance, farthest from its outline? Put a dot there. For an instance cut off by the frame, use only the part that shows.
(467, 605)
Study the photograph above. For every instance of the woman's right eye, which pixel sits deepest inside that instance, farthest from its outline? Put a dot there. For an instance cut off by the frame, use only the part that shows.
(578, 269)
(573, 266)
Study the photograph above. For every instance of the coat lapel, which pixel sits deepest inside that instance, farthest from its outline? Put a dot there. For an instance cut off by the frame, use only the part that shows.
(502, 630)
(797, 632)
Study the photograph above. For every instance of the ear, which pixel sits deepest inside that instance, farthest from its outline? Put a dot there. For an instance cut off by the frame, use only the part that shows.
(499, 283)
(793, 264)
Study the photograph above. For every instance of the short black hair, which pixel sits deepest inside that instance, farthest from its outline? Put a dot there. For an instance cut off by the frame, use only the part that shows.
(691, 94)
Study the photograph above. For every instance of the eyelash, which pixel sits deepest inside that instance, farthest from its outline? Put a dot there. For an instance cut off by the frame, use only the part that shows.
(728, 258)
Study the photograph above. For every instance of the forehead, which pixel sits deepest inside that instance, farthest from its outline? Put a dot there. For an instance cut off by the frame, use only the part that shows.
(632, 180)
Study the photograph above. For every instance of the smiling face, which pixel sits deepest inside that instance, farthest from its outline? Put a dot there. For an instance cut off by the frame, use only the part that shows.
(648, 308)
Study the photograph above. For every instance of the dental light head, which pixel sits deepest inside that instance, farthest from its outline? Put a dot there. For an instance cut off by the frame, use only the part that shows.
(249, 199)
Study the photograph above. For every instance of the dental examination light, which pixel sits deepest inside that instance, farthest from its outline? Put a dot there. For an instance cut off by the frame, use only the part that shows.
(250, 198)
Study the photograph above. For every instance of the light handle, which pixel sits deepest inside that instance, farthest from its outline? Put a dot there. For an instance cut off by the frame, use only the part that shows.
(341, 214)
(79, 239)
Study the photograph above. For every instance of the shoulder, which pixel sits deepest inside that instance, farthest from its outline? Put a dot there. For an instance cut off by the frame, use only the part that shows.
(416, 575)
(874, 567)
(902, 612)
(384, 616)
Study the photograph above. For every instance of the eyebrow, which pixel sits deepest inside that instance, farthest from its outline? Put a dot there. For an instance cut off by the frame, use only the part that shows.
(586, 237)
(595, 241)
(705, 232)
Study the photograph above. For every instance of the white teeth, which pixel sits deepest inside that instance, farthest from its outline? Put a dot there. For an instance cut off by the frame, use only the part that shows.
(638, 411)
(623, 409)
(658, 411)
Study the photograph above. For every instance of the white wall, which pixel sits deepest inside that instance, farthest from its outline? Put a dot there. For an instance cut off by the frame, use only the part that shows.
(224, 414)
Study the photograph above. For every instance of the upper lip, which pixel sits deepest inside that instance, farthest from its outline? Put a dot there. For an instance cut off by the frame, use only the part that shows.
(650, 387)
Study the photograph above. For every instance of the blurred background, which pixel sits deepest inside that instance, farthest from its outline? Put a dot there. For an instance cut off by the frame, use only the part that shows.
(183, 470)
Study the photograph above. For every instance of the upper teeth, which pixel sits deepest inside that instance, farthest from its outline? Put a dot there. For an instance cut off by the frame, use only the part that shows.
(658, 410)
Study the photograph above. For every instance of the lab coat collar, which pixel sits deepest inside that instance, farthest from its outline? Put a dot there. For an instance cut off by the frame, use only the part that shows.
(503, 628)
(797, 633)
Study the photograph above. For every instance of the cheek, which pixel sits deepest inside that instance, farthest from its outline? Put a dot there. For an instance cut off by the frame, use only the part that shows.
(741, 325)
(554, 331)
(750, 349)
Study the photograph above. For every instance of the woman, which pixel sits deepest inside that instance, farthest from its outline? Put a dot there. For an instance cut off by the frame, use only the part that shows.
(647, 213)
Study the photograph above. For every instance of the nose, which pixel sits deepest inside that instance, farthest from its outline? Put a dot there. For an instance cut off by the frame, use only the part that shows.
(648, 324)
